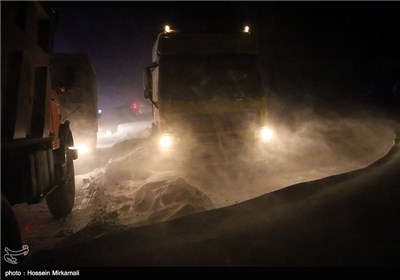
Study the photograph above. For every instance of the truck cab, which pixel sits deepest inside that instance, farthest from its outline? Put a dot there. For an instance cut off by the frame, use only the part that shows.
(206, 89)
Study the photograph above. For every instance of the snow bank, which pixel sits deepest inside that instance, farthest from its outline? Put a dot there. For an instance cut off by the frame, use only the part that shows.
(168, 199)
(133, 195)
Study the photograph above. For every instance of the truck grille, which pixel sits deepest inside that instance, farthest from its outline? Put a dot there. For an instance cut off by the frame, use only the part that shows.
(217, 124)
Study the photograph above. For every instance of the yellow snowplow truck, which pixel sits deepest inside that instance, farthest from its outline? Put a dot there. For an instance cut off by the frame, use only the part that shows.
(206, 91)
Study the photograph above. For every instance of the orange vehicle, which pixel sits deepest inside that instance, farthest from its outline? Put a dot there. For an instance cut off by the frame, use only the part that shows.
(37, 150)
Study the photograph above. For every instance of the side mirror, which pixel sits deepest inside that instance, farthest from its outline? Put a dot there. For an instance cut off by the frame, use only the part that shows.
(147, 82)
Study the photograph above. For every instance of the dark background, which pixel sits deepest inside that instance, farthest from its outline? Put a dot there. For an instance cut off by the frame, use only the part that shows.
(310, 50)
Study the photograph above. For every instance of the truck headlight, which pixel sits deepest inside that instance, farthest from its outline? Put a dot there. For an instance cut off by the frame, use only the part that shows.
(83, 149)
(266, 134)
(166, 141)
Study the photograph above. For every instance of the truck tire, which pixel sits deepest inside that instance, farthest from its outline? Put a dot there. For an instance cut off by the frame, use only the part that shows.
(10, 234)
(61, 201)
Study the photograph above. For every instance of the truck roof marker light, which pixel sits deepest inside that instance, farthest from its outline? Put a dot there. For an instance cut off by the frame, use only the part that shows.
(167, 29)
(246, 29)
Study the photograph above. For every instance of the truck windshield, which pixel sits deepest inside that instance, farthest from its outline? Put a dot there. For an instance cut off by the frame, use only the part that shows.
(199, 77)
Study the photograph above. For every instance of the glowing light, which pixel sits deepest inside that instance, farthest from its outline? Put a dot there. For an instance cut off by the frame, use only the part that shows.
(99, 111)
(166, 141)
(266, 134)
(246, 29)
(167, 29)
(83, 149)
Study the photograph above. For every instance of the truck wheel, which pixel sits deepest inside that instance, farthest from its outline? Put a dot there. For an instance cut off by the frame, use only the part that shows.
(10, 234)
(61, 201)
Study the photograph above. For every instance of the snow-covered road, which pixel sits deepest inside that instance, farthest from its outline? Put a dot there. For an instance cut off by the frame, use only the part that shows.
(130, 185)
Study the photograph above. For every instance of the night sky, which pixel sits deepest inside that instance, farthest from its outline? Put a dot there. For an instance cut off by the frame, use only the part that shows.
(118, 36)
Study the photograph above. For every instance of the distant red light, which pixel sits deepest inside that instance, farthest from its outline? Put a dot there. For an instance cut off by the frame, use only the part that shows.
(134, 106)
